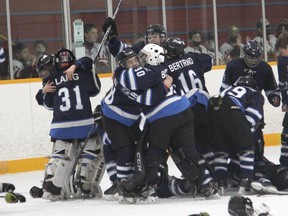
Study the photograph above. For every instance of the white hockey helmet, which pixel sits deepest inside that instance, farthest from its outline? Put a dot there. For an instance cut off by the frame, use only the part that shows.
(152, 54)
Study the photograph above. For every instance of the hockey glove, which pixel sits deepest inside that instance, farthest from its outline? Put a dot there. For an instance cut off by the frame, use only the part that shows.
(7, 187)
(113, 34)
(11, 197)
(36, 192)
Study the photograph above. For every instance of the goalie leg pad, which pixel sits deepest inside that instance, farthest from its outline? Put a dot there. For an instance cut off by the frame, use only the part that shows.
(91, 168)
(58, 166)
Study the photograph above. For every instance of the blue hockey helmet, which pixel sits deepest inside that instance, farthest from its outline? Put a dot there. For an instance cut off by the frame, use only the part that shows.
(247, 81)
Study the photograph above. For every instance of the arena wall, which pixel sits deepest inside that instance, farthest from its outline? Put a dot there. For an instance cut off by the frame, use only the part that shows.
(24, 125)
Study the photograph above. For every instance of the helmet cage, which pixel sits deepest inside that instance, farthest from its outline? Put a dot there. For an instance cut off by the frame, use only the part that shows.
(240, 206)
(252, 54)
(123, 56)
(63, 59)
(154, 30)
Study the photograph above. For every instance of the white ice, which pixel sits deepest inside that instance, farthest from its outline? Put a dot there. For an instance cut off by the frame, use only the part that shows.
(97, 207)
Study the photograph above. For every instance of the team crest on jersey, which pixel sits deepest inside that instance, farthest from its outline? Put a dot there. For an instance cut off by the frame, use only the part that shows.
(250, 71)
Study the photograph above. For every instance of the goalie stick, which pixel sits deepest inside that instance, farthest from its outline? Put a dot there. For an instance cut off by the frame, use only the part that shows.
(103, 41)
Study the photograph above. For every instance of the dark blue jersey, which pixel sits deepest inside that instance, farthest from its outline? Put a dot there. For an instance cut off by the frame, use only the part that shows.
(188, 76)
(262, 74)
(248, 100)
(282, 65)
(131, 88)
(72, 114)
(84, 64)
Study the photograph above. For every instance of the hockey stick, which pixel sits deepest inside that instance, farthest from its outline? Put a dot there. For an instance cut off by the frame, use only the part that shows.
(279, 90)
(139, 173)
(104, 40)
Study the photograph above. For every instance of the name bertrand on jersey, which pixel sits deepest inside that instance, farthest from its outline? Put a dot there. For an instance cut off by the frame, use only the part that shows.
(180, 64)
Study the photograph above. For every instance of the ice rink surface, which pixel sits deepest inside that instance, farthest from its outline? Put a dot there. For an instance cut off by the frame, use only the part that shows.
(100, 207)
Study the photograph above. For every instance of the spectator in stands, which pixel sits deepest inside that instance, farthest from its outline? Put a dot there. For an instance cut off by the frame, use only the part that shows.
(271, 39)
(40, 48)
(92, 47)
(210, 42)
(233, 47)
(197, 47)
(23, 62)
(282, 27)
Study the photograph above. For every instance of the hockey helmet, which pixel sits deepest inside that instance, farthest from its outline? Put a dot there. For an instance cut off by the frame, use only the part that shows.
(252, 53)
(63, 59)
(247, 81)
(155, 29)
(173, 46)
(44, 66)
(45, 61)
(152, 54)
(123, 56)
(240, 206)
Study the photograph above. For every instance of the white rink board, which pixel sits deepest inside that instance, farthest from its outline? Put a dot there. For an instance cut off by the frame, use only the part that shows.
(25, 125)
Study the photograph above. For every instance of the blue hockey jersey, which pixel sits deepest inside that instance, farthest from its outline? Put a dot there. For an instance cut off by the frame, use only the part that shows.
(188, 76)
(282, 65)
(248, 100)
(131, 88)
(262, 74)
(72, 114)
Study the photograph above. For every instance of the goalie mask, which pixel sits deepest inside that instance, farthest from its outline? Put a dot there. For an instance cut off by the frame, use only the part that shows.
(151, 54)
(63, 59)
(174, 47)
(252, 54)
(124, 56)
(240, 206)
(247, 81)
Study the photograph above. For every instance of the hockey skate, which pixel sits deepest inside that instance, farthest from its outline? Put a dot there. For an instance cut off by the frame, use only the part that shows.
(209, 190)
(111, 194)
(263, 185)
(245, 187)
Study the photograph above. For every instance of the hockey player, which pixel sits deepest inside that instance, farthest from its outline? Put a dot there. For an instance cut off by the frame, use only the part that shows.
(187, 71)
(174, 112)
(251, 64)
(155, 34)
(282, 65)
(121, 107)
(71, 124)
(233, 117)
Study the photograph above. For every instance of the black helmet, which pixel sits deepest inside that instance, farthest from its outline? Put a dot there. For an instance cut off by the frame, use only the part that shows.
(63, 59)
(124, 55)
(44, 62)
(155, 29)
(174, 46)
(247, 81)
(252, 53)
(240, 206)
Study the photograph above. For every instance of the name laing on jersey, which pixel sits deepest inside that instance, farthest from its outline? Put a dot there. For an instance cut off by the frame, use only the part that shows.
(180, 64)
(64, 78)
